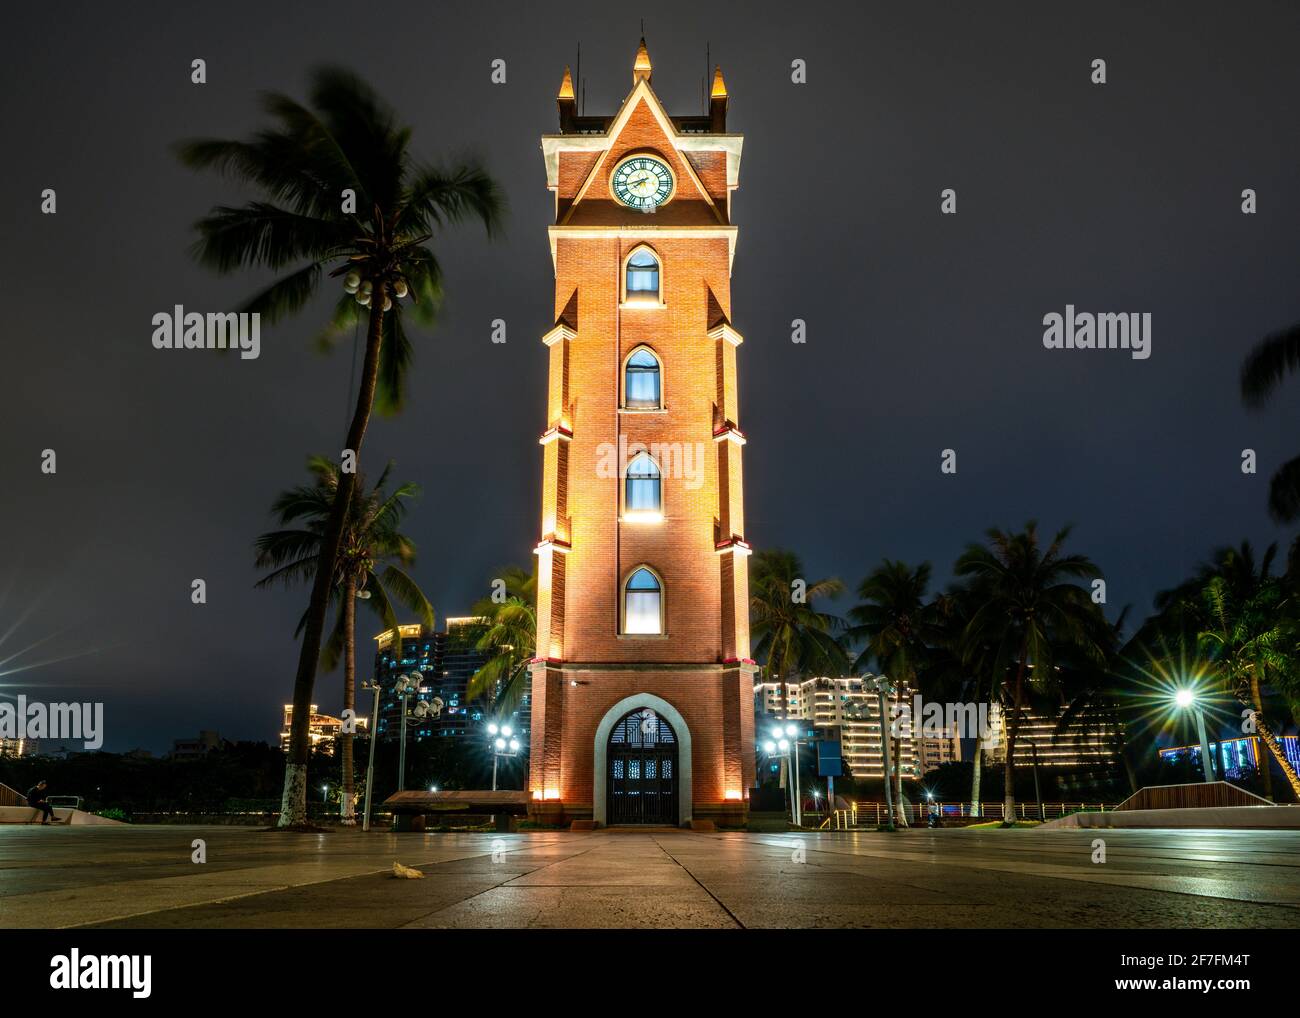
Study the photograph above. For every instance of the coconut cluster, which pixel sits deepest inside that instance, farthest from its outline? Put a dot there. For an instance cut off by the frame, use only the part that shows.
(363, 289)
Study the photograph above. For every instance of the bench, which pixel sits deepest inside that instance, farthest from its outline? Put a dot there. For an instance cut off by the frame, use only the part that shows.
(411, 809)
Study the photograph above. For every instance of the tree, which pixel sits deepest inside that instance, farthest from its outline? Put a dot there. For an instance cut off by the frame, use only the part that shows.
(1247, 625)
(340, 187)
(507, 628)
(960, 664)
(1031, 608)
(791, 637)
(895, 624)
(370, 566)
(1265, 368)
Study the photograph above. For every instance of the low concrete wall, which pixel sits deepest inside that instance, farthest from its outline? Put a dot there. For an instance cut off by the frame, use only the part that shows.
(75, 817)
(1210, 817)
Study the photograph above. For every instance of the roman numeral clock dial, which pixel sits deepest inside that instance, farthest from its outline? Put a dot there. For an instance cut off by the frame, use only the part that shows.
(642, 182)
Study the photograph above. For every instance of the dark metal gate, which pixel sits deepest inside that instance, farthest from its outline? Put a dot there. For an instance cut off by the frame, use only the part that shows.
(641, 779)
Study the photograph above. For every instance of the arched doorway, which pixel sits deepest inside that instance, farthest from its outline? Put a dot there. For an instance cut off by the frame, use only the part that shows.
(642, 776)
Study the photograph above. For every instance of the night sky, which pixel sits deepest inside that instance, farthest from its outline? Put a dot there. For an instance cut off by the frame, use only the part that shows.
(924, 330)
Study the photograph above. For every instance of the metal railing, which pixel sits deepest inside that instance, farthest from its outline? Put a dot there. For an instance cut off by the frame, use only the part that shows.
(875, 814)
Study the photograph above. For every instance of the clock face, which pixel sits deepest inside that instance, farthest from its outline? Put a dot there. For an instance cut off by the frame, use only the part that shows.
(642, 182)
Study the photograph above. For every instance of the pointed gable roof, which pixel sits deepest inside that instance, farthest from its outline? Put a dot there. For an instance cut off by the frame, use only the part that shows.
(643, 125)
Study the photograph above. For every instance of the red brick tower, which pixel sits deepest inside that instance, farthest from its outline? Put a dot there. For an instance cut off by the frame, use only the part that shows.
(642, 688)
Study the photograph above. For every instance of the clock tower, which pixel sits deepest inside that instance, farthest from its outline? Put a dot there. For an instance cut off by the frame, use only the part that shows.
(642, 687)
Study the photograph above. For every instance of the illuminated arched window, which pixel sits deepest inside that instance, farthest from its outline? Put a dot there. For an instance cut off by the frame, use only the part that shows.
(643, 603)
(641, 389)
(642, 491)
(642, 276)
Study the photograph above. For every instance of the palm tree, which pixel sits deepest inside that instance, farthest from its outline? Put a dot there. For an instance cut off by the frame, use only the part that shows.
(895, 623)
(1247, 623)
(339, 188)
(1103, 701)
(370, 566)
(960, 666)
(1031, 608)
(507, 628)
(1265, 368)
(790, 636)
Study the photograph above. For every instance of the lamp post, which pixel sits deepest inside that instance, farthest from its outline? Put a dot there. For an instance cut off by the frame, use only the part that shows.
(503, 742)
(405, 686)
(784, 740)
(792, 732)
(1185, 699)
(374, 735)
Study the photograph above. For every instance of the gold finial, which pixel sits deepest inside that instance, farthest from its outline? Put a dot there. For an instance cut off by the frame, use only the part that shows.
(566, 86)
(719, 90)
(641, 69)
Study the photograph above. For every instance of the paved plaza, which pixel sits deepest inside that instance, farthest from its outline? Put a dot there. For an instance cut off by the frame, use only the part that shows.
(144, 877)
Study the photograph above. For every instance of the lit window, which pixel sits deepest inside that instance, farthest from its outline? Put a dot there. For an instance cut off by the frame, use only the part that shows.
(642, 382)
(643, 276)
(642, 604)
(642, 491)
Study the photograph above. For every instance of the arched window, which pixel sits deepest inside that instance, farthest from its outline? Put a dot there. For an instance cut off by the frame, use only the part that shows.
(642, 276)
(642, 603)
(642, 492)
(641, 385)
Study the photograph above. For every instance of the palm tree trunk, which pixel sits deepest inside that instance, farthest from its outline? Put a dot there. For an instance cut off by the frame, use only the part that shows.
(1013, 729)
(1270, 740)
(293, 803)
(898, 781)
(349, 696)
(976, 776)
(1265, 772)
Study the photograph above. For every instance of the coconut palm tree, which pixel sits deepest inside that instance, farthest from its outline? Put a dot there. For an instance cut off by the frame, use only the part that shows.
(895, 624)
(1032, 608)
(1247, 624)
(1266, 367)
(371, 566)
(507, 627)
(340, 192)
(790, 636)
(959, 667)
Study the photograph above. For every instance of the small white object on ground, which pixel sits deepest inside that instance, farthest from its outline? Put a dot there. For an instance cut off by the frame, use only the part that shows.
(405, 872)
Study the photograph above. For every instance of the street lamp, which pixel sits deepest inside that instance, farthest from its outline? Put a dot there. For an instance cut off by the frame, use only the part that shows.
(1185, 699)
(405, 687)
(503, 742)
(789, 748)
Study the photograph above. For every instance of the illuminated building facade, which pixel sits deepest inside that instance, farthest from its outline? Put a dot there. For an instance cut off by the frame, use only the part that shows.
(323, 730)
(447, 660)
(642, 705)
(1231, 755)
(842, 709)
(1083, 742)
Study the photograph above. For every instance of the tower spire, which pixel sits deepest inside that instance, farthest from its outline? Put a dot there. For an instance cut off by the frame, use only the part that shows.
(641, 69)
(566, 102)
(718, 103)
